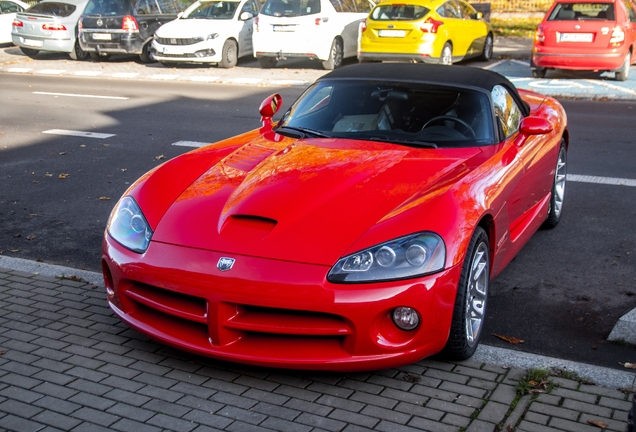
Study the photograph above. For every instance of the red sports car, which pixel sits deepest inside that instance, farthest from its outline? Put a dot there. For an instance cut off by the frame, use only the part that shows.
(361, 231)
(586, 35)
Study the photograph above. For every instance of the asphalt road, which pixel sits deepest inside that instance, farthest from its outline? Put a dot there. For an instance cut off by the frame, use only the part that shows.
(561, 295)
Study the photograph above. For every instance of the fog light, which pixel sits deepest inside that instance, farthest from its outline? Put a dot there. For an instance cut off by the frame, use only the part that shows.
(406, 318)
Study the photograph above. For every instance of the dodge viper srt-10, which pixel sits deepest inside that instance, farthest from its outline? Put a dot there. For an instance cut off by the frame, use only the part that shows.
(360, 231)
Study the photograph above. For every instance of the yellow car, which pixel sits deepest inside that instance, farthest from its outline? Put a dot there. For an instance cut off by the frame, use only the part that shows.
(430, 31)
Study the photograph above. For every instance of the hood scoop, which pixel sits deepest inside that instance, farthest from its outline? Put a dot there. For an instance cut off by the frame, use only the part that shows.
(247, 228)
(248, 157)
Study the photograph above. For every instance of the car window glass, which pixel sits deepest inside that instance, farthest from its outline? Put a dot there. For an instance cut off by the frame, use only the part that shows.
(291, 8)
(506, 110)
(53, 8)
(167, 7)
(183, 4)
(349, 6)
(337, 5)
(364, 6)
(10, 7)
(108, 7)
(221, 10)
(631, 7)
(468, 12)
(451, 10)
(398, 12)
(582, 12)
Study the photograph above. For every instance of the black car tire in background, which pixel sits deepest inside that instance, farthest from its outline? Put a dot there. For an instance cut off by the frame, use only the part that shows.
(145, 56)
(229, 55)
(336, 55)
(486, 53)
(623, 73)
(558, 190)
(78, 53)
(446, 57)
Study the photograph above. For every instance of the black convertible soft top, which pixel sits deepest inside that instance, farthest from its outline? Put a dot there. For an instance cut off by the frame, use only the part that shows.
(460, 76)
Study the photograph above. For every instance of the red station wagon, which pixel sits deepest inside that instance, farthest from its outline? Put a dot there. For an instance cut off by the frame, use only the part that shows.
(586, 35)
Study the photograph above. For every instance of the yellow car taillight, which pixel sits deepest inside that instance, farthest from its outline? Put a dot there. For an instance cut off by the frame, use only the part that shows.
(618, 36)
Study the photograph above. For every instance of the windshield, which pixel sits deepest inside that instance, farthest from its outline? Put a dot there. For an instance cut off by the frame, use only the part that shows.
(52, 8)
(398, 12)
(291, 8)
(404, 113)
(582, 11)
(213, 10)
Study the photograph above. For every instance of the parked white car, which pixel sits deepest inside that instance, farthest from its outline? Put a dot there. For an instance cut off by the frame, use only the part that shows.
(209, 31)
(325, 30)
(8, 9)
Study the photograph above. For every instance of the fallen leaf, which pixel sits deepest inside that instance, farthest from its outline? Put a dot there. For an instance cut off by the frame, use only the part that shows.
(63, 176)
(35, 181)
(160, 157)
(3, 352)
(62, 153)
(124, 169)
(48, 174)
(105, 145)
(510, 339)
(411, 378)
(30, 237)
(15, 250)
(104, 199)
(598, 423)
(17, 235)
(628, 365)
(39, 260)
(82, 145)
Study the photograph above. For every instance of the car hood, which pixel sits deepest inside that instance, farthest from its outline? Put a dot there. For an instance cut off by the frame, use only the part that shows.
(184, 28)
(306, 200)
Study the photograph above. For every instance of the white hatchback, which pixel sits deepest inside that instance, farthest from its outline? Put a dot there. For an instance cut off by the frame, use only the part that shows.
(325, 30)
(209, 31)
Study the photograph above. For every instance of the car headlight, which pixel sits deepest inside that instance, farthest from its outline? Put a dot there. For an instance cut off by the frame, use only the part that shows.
(212, 36)
(128, 226)
(405, 257)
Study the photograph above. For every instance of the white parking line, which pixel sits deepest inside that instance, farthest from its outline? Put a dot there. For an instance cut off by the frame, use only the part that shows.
(190, 144)
(601, 180)
(125, 75)
(201, 78)
(78, 133)
(51, 71)
(19, 70)
(164, 77)
(82, 95)
(613, 86)
(88, 73)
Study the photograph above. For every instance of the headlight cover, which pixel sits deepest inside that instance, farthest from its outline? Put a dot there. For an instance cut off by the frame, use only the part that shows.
(128, 226)
(403, 258)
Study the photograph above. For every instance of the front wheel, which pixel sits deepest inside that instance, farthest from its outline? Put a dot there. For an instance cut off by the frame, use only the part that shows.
(229, 55)
(29, 52)
(145, 55)
(335, 56)
(470, 304)
(446, 58)
(538, 72)
(78, 53)
(486, 53)
(557, 197)
(623, 73)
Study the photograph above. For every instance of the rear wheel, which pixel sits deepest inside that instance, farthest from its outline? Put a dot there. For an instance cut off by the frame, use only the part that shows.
(78, 53)
(267, 62)
(470, 304)
(29, 52)
(446, 57)
(145, 56)
(486, 53)
(335, 56)
(99, 57)
(558, 190)
(623, 73)
(538, 72)
(229, 54)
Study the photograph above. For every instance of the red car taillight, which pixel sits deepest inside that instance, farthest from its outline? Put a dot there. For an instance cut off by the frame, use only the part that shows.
(363, 25)
(430, 25)
(539, 36)
(129, 23)
(17, 23)
(53, 27)
(618, 36)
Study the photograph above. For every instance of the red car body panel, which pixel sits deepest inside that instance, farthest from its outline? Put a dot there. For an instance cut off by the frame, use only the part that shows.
(287, 210)
(599, 54)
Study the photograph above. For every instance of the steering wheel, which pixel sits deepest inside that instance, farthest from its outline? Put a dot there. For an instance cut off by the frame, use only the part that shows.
(468, 128)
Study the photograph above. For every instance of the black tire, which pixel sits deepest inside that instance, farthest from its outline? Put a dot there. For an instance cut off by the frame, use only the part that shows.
(471, 300)
(538, 72)
(229, 54)
(623, 73)
(555, 210)
(446, 57)
(486, 53)
(335, 56)
(267, 62)
(78, 53)
(145, 55)
(99, 57)
(29, 52)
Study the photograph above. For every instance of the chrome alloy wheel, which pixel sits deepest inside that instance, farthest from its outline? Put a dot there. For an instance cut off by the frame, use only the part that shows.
(476, 294)
(559, 182)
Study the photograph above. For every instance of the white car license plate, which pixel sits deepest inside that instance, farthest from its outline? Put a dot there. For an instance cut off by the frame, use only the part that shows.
(576, 37)
(101, 36)
(33, 43)
(392, 33)
(284, 28)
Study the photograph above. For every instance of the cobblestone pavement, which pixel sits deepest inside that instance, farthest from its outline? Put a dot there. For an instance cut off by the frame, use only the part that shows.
(67, 363)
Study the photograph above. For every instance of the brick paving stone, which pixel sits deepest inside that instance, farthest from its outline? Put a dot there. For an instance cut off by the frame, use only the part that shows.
(310, 407)
(297, 393)
(451, 407)
(54, 377)
(123, 384)
(372, 399)
(225, 386)
(171, 423)
(482, 384)
(613, 425)
(19, 380)
(464, 389)
(565, 383)
(109, 358)
(193, 390)
(447, 376)
(349, 417)
(587, 408)
(96, 402)
(239, 426)
(419, 411)
(398, 384)
(476, 373)
(526, 426)
(258, 383)
(481, 426)
(386, 426)
(456, 420)
(549, 399)
(329, 389)
(230, 399)
(320, 422)
(19, 424)
(19, 408)
(281, 425)
(576, 395)
(54, 390)
(171, 409)
(337, 402)
(435, 393)
(276, 411)
(504, 393)
(19, 394)
(160, 393)
(385, 414)
(493, 412)
(554, 411)
(57, 405)
(127, 397)
(537, 418)
(126, 425)
(20, 368)
(404, 396)
(85, 373)
(614, 403)
(241, 414)
(187, 377)
(360, 386)
(268, 397)
(200, 404)
(218, 373)
(616, 394)
(54, 419)
(99, 417)
(571, 426)
(132, 412)
(207, 419)
(89, 387)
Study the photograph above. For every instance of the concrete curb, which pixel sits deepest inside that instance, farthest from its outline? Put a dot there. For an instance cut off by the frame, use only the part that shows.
(625, 329)
(498, 356)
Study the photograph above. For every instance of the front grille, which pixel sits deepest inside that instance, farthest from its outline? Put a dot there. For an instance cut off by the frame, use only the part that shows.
(176, 55)
(176, 41)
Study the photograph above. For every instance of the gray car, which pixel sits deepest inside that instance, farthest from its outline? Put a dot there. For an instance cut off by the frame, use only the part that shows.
(50, 25)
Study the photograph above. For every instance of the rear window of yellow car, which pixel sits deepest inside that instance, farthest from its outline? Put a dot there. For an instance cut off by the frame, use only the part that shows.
(398, 12)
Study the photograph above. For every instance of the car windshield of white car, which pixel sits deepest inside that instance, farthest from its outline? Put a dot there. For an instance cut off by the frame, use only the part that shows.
(291, 8)
(52, 9)
(221, 10)
(397, 112)
(398, 12)
(582, 12)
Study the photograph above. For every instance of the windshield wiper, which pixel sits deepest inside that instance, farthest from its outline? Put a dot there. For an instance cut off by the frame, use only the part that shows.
(408, 142)
(303, 132)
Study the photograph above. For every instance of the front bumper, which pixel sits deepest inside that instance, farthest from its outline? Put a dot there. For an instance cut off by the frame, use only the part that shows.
(559, 59)
(203, 52)
(272, 313)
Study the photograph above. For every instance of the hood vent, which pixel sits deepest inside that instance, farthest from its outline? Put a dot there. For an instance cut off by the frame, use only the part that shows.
(247, 227)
